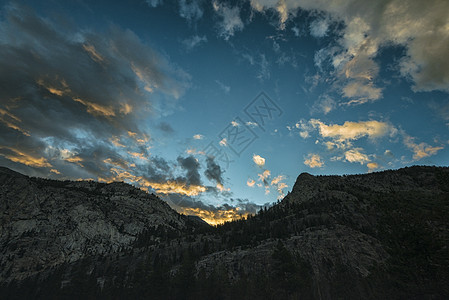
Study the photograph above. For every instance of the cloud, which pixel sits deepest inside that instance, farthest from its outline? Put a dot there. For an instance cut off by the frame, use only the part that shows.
(191, 165)
(230, 19)
(355, 155)
(361, 92)
(372, 166)
(263, 177)
(213, 171)
(223, 86)
(198, 136)
(18, 156)
(251, 124)
(165, 127)
(350, 130)
(224, 142)
(258, 160)
(319, 27)
(313, 161)
(235, 123)
(421, 27)
(190, 10)
(154, 3)
(280, 185)
(250, 182)
(77, 91)
(194, 41)
(325, 104)
(420, 150)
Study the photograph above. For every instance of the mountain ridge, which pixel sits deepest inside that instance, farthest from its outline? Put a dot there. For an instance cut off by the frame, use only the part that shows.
(378, 235)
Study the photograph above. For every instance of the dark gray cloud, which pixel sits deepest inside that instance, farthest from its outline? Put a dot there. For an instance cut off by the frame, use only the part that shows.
(191, 165)
(165, 127)
(72, 100)
(213, 170)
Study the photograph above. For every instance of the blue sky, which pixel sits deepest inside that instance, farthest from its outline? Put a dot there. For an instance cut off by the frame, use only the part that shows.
(217, 106)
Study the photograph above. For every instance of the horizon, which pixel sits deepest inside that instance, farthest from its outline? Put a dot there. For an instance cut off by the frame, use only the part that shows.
(217, 107)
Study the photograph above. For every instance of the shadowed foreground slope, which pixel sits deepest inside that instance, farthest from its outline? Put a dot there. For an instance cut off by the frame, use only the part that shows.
(373, 236)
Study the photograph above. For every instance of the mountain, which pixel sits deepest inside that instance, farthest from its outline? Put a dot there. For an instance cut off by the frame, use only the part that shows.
(45, 223)
(381, 235)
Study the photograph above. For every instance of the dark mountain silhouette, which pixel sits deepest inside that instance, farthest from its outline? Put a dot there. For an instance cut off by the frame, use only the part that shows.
(382, 235)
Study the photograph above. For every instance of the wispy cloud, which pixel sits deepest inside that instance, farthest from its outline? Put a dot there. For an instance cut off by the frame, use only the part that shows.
(230, 19)
(223, 86)
(420, 150)
(194, 41)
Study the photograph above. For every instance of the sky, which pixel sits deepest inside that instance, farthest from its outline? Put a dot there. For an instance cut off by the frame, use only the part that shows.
(217, 106)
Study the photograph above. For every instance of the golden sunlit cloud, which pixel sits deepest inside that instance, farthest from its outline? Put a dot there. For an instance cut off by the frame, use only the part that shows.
(58, 91)
(132, 134)
(116, 142)
(221, 188)
(55, 171)
(126, 108)
(259, 160)
(313, 161)
(353, 130)
(93, 53)
(6, 114)
(26, 159)
(277, 179)
(168, 187)
(96, 109)
(235, 124)
(214, 217)
(355, 155)
(250, 182)
(198, 136)
(420, 150)
(138, 155)
(173, 187)
(372, 166)
(264, 175)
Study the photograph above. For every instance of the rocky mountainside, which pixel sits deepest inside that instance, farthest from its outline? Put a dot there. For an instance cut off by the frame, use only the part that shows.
(45, 223)
(382, 235)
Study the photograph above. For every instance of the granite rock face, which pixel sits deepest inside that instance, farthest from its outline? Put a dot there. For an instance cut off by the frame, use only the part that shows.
(45, 223)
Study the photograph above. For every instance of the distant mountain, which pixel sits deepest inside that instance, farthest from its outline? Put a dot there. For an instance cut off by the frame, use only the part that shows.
(382, 235)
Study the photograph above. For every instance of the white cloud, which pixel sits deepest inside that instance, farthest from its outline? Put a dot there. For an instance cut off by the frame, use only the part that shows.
(421, 26)
(313, 161)
(235, 124)
(198, 136)
(224, 142)
(194, 41)
(318, 28)
(230, 19)
(223, 86)
(190, 10)
(259, 160)
(154, 3)
(325, 104)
